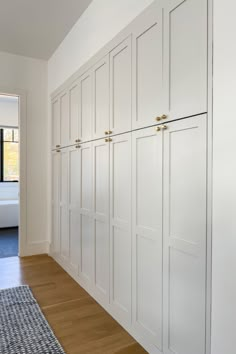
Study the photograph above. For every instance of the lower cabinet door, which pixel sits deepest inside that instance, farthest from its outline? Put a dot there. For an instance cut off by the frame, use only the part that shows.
(64, 226)
(101, 219)
(55, 245)
(120, 227)
(74, 203)
(185, 174)
(147, 163)
(86, 258)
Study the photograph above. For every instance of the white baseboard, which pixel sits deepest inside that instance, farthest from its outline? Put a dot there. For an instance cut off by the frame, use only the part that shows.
(35, 248)
(142, 341)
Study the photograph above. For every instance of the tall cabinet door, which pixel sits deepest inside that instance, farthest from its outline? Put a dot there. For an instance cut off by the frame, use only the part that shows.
(85, 106)
(64, 118)
(74, 204)
(147, 65)
(86, 265)
(101, 218)
(185, 236)
(74, 114)
(101, 98)
(56, 125)
(185, 27)
(120, 88)
(147, 160)
(120, 226)
(64, 227)
(55, 246)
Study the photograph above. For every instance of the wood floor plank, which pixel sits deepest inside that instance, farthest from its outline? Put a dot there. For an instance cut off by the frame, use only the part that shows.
(79, 322)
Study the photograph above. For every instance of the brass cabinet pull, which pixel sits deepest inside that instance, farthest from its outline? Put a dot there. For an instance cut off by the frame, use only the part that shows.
(107, 140)
(77, 140)
(78, 146)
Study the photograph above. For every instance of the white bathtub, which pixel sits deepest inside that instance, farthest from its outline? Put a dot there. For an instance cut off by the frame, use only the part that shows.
(9, 213)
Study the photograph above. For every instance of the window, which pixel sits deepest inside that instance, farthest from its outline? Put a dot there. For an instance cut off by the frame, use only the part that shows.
(9, 155)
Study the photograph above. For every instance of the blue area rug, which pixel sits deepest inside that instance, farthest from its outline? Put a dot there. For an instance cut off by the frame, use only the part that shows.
(9, 242)
(23, 327)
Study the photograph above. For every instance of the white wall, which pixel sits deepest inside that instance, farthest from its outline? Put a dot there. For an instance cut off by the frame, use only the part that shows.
(17, 72)
(9, 191)
(224, 176)
(8, 111)
(102, 20)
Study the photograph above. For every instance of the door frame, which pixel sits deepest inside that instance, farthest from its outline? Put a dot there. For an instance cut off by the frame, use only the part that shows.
(21, 94)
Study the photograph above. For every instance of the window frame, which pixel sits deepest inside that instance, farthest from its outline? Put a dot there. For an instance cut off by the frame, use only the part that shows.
(2, 141)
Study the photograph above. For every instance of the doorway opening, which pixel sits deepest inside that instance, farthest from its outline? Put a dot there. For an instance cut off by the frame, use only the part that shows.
(9, 175)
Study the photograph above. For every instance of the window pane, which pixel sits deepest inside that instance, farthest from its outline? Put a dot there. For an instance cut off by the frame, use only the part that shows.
(11, 162)
(7, 134)
(16, 135)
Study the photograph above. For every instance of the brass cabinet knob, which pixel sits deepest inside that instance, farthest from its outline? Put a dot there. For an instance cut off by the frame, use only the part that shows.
(107, 140)
(78, 146)
(164, 116)
(106, 132)
(164, 127)
(58, 150)
(158, 129)
(109, 132)
(57, 146)
(77, 140)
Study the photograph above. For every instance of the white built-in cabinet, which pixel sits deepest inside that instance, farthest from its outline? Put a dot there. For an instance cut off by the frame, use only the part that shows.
(129, 177)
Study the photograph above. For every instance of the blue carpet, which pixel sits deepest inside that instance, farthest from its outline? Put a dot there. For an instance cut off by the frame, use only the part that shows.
(9, 242)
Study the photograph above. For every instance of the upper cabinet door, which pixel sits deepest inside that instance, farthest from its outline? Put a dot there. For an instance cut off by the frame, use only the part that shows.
(74, 114)
(101, 98)
(64, 118)
(185, 57)
(56, 127)
(147, 65)
(120, 88)
(85, 106)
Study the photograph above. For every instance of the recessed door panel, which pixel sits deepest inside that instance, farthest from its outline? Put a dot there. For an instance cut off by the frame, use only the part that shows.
(185, 235)
(120, 226)
(101, 98)
(147, 160)
(148, 67)
(86, 248)
(120, 88)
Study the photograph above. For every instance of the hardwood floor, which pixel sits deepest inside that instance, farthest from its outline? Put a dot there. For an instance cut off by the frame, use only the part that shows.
(80, 324)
